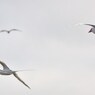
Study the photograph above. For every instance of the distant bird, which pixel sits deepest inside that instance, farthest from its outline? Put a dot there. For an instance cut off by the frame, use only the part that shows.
(92, 29)
(8, 31)
(7, 71)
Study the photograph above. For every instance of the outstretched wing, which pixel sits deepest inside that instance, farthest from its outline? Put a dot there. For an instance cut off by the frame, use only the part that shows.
(3, 31)
(20, 80)
(90, 25)
(14, 30)
(5, 67)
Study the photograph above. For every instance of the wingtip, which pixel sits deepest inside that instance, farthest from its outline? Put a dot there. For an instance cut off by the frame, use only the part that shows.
(29, 88)
(83, 24)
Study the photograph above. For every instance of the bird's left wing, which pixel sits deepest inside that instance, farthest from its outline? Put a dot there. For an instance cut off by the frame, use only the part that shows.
(3, 30)
(4, 65)
(20, 79)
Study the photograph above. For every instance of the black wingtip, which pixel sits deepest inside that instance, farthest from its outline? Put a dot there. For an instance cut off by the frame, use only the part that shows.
(90, 31)
(28, 87)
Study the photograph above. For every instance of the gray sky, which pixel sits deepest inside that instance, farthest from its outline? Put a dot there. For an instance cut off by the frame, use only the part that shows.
(60, 52)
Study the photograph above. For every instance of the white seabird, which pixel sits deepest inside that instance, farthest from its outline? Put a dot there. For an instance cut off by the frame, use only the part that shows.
(8, 31)
(7, 71)
(92, 29)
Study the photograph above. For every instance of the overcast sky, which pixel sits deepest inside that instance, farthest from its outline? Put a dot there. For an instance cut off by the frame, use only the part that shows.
(60, 52)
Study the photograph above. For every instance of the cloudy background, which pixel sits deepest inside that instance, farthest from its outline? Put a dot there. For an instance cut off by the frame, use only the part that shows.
(60, 52)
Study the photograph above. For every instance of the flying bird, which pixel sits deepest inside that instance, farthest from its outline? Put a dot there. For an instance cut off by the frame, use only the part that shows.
(92, 29)
(7, 71)
(8, 31)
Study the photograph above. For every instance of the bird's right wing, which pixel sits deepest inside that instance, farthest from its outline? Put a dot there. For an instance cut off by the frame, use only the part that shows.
(20, 79)
(14, 30)
(5, 67)
(90, 25)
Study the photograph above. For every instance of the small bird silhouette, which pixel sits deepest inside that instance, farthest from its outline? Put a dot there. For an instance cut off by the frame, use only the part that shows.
(8, 31)
(7, 71)
(92, 29)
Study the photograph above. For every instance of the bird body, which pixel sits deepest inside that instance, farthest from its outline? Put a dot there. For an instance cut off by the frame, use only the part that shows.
(92, 29)
(7, 71)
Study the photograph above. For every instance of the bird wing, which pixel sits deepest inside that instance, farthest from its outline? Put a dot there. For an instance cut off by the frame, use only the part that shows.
(90, 30)
(5, 67)
(20, 79)
(14, 30)
(3, 30)
(90, 25)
